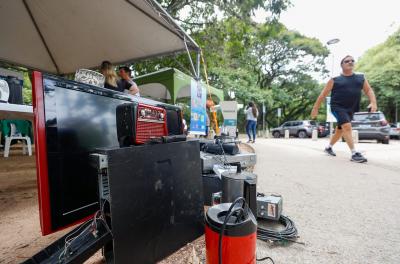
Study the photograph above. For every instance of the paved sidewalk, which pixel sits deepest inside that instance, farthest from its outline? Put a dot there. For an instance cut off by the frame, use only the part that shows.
(345, 212)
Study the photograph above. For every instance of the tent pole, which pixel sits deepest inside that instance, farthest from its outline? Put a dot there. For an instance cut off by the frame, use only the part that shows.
(190, 58)
(198, 65)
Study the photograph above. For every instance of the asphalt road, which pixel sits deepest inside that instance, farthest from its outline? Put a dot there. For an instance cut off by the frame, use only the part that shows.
(345, 212)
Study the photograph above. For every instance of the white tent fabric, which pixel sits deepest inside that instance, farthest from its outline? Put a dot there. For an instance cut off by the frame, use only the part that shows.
(155, 90)
(61, 36)
(184, 92)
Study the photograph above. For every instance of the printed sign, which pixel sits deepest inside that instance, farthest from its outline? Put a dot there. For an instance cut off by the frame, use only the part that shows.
(198, 108)
(229, 112)
(329, 116)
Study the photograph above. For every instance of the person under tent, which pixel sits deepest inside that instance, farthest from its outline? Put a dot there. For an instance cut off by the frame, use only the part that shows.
(111, 78)
(126, 81)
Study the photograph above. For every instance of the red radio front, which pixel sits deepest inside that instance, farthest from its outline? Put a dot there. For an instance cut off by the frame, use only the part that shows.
(151, 122)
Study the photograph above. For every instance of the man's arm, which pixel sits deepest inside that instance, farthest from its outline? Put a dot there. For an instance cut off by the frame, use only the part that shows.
(133, 89)
(371, 95)
(324, 93)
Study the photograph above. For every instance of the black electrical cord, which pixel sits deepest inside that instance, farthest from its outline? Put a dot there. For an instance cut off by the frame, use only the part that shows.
(288, 234)
(219, 142)
(266, 258)
(242, 212)
(228, 215)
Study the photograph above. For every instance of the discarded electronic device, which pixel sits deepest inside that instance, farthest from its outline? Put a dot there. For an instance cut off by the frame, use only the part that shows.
(209, 160)
(76, 246)
(219, 169)
(231, 233)
(221, 148)
(221, 145)
(240, 184)
(139, 123)
(269, 207)
(150, 193)
(72, 120)
(211, 184)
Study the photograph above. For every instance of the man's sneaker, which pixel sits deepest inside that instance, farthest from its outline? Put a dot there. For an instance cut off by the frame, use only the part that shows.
(329, 150)
(357, 157)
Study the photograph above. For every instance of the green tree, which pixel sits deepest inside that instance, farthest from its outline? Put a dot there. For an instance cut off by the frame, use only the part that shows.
(265, 63)
(195, 13)
(27, 89)
(381, 65)
(281, 54)
(295, 99)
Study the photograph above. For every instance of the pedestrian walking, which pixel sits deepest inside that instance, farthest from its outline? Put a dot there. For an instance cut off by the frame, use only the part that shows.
(345, 101)
(251, 121)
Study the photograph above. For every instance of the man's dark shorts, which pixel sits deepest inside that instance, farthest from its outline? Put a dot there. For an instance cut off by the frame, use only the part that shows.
(342, 117)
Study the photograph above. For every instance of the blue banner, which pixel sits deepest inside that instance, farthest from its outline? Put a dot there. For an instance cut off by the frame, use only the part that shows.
(198, 112)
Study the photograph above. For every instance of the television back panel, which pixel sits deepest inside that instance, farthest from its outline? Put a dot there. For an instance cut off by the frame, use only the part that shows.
(71, 120)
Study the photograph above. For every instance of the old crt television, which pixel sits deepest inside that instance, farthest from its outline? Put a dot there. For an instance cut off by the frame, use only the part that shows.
(71, 120)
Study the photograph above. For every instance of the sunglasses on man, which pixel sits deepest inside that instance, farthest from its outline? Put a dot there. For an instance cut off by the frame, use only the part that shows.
(348, 61)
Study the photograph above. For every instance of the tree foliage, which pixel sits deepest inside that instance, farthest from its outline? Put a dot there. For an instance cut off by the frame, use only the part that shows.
(262, 62)
(381, 65)
(195, 13)
(265, 63)
(279, 54)
(27, 89)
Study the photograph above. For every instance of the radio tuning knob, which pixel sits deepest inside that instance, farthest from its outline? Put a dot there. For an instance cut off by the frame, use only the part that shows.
(143, 112)
(161, 115)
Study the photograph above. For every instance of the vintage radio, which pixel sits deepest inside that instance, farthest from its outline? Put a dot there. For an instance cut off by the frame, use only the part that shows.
(139, 123)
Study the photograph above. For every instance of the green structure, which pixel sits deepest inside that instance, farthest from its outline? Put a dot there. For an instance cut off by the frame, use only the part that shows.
(170, 85)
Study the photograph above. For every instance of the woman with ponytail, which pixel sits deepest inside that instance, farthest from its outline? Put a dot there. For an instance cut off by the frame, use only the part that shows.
(251, 121)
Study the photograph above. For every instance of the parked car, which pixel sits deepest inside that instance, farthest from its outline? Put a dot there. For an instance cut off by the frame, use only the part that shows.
(323, 129)
(394, 131)
(371, 126)
(300, 128)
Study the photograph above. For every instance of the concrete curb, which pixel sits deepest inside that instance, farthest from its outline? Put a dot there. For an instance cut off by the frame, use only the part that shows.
(247, 147)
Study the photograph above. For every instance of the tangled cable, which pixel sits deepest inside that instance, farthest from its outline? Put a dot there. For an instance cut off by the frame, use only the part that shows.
(288, 234)
(90, 226)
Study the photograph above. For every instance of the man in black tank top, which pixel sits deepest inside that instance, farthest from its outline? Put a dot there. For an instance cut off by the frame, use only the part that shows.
(345, 101)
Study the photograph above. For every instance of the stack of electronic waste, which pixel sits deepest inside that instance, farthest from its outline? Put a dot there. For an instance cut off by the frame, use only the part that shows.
(218, 156)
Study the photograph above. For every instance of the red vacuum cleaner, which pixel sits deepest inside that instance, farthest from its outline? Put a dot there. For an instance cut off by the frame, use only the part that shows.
(231, 233)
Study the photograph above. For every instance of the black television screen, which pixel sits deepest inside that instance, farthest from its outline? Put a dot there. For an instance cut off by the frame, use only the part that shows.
(71, 121)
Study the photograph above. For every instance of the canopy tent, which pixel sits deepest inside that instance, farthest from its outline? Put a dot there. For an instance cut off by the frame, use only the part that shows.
(61, 36)
(170, 84)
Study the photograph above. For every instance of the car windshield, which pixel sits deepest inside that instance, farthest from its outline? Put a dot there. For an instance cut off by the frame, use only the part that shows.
(367, 117)
(313, 123)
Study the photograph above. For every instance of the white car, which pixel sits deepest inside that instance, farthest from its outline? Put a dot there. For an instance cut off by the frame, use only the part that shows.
(394, 131)
(371, 126)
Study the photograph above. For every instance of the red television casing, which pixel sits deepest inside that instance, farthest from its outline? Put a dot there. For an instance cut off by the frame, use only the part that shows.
(41, 157)
(72, 120)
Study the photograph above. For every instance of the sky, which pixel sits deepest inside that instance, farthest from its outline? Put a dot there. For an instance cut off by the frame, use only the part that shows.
(358, 24)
